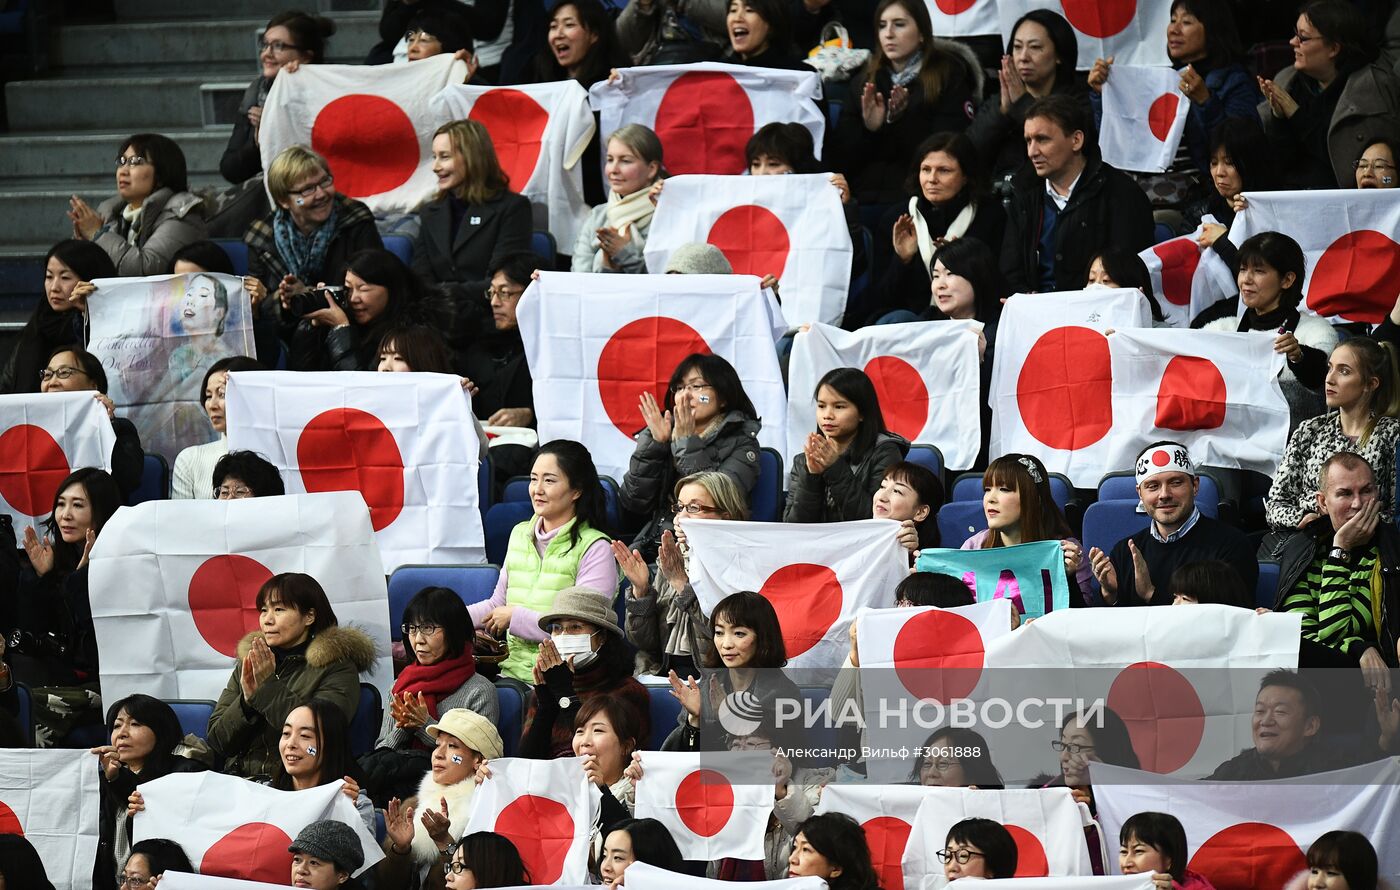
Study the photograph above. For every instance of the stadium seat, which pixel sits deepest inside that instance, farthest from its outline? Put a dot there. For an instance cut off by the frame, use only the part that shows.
(927, 456)
(473, 583)
(194, 715)
(155, 482)
(968, 487)
(542, 245)
(510, 695)
(1107, 522)
(25, 712)
(960, 520)
(237, 253)
(665, 712)
(400, 246)
(611, 509)
(1162, 232)
(822, 734)
(862, 281)
(1122, 486)
(766, 500)
(1266, 591)
(379, 831)
(484, 487)
(364, 729)
(517, 489)
(500, 519)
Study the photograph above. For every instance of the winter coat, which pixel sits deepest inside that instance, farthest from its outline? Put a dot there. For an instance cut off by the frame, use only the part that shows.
(653, 619)
(246, 731)
(845, 491)
(486, 233)
(354, 231)
(242, 157)
(1292, 494)
(421, 867)
(111, 850)
(179, 220)
(644, 35)
(45, 331)
(355, 347)
(496, 364)
(999, 138)
(56, 607)
(549, 727)
(1369, 105)
(588, 252)
(1233, 93)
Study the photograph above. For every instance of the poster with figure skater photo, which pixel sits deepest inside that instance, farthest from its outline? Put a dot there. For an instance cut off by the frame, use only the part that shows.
(156, 337)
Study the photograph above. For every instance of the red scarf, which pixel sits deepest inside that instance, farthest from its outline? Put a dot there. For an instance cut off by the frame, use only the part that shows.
(436, 680)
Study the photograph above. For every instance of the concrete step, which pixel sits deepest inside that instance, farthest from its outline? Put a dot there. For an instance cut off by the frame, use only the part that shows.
(85, 159)
(31, 220)
(113, 104)
(137, 10)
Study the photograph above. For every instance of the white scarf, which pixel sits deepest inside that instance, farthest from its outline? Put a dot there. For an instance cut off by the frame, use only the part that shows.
(635, 208)
(132, 215)
(956, 229)
(459, 809)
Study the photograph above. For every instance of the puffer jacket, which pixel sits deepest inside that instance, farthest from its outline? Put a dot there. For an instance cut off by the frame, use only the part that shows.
(245, 732)
(169, 221)
(845, 491)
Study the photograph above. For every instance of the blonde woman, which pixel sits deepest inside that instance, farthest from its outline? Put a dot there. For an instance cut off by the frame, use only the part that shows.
(612, 238)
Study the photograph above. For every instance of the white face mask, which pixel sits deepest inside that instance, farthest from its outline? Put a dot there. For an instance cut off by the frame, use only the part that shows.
(573, 644)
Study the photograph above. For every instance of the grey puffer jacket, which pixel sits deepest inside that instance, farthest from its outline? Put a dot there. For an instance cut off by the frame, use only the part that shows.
(845, 491)
(169, 221)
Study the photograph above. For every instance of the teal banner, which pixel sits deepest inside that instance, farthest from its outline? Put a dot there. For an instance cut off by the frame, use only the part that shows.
(1031, 575)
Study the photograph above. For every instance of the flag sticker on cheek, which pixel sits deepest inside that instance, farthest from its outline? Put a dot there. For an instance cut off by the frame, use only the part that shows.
(457, 759)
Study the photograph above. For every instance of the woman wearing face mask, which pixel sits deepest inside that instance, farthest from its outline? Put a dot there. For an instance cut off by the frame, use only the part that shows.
(664, 620)
(59, 318)
(1375, 168)
(1155, 844)
(611, 239)
(74, 369)
(153, 215)
(978, 848)
(637, 840)
(414, 848)
(832, 846)
(245, 474)
(1120, 267)
(485, 859)
(325, 856)
(194, 466)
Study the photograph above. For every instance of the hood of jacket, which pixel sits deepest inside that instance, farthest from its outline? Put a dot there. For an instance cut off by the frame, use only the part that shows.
(737, 422)
(964, 56)
(333, 644)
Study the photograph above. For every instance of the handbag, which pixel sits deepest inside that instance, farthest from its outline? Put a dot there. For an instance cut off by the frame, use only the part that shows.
(834, 57)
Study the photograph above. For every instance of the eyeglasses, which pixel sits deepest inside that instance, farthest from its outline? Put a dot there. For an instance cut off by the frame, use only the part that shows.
(694, 508)
(505, 295)
(134, 881)
(62, 373)
(1071, 748)
(557, 628)
(133, 161)
(961, 857)
(940, 766)
(412, 36)
(455, 868)
(1378, 166)
(690, 387)
(310, 191)
(1301, 39)
(426, 630)
(276, 46)
(229, 492)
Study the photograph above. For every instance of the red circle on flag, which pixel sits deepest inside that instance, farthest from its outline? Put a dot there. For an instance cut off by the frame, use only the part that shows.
(1163, 713)
(346, 449)
(542, 831)
(1031, 861)
(9, 822)
(753, 239)
(253, 852)
(640, 358)
(1191, 395)
(369, 143)
(1249, 855)
(1099, 18)
(939, 655)
(1179, 257)
(1357, 277)
(32, 465)
(1161, 458)
(705, 802)
(902, 394)
(887, 837)
(704, 120)
(516, 123)
(223, 598)
(1064, 386)
(952, 7)
(1162, 114)
(808, 601)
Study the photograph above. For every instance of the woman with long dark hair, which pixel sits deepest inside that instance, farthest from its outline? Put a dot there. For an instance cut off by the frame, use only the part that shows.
(58, 319)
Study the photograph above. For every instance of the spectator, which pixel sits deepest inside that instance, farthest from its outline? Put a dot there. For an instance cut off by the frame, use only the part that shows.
(1375, 168)
(612, 237)
(441, 674)
(1241, 160)
(1363, 398)
(20, 864)
(195, 464)
(496, 362)
(485, 859)
(1155, 844)
(1020, 508)
(978, 848)
(664, 619)
(832, 846)
(325, 856)
(152, 858)
(74, 369)
(1270, 274)
(915, 84)
(1177, 534)
(59, 318)
(418, 347)
(299, 653)
(153, 214)
(485, 23)
(1084, 740)
(672, 32)
(637, 840)
(246, 474)
(910, 494)
(1068, 205)
(1209, 581)
(1040, 60)
(434, 31)
(560, 546)
(760, 35)
(1286, 729)
(583, 658)
(1333, 96)
(1347, 855)
(932, 589)
(1119, 267)
(841, 466)
(582, 46)
(315, 750)
(939, 766)
(711, 425)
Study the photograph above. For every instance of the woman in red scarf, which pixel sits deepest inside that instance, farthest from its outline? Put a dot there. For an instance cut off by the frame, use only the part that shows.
(440, 675)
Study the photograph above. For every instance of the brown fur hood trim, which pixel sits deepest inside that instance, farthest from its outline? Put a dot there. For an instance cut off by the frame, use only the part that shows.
(339, 643)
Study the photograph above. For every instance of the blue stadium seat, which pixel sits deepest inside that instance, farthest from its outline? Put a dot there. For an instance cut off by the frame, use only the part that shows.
(927, 456)
(1122, 486)
(766, 500)
(665, 711)
(237, 253)
(400, 246)
(484, 487)
(379, 831)
(968, 487)
(833, 114)
(1266, 591)
(364, 729)
(26, 711)
(862, 281)
(1107, 522)
(611, 510)
(500, 519)
(194, 715)
(472, 583)
(960, 520)
(510, 696)
(1162, 232)
(517, 489)
(543, 245)
(155, 481)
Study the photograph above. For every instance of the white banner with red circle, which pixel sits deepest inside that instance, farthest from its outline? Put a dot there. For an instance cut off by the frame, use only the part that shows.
(926, 375)
(1144, 115)
(234, 828)
(595, 342)
(705, 112)
(1133, 32)
(816, 575)
(1186, 278)
(927, 647)
(1046, 824)
(539, 132)
(546, 808)
(173, 880)
(790, 227)
(1348, 238)
(886, 814)
(372, 123)
(649, 877)
(44, 437)
(175, 585)
(50, 797)
(1241, 835)
(937, 881)
(708, 802)
(405, 442)
(963, 18)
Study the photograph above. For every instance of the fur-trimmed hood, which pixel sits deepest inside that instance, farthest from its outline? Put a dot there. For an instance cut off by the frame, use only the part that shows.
(460, 798)
(337, 643)
(964, 54)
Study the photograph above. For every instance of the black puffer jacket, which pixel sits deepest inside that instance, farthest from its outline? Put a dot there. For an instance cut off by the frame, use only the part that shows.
(845, 491)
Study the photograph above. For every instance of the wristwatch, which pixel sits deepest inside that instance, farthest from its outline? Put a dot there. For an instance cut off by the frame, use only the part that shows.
(1341, 554)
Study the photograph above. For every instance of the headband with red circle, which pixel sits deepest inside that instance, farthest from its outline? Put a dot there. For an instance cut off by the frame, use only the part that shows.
(1167, 458)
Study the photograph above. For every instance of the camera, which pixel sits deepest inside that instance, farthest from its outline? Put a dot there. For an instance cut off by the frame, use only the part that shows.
(315, 298)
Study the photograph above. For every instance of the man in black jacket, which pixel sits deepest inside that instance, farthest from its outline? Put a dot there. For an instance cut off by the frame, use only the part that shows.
(1285, 727)
(1068, 204)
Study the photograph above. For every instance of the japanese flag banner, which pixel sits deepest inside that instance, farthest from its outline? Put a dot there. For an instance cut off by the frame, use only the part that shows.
(790, 227)
(1130, 31)
(963, 18)
(926, 375)
(1031, 575)
(546, 808)
(649, 877)
(156, 337)
(372, 123)
(1117, 882)
(539, 132)
(1052, 376)
(44, 437)
(1144, 115)
(1256, 834)
(886, 814)
(1348, 238)
(175, 584)
(705, 112)
(234, 828)
(181, 881)
(708, 802)
(817, 576)
(405, 442)
(596, 342)
(1046, 823)
(1187, 279)
(51, 798)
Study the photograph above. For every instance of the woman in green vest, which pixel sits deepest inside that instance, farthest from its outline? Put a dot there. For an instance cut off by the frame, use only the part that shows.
(560, 546)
